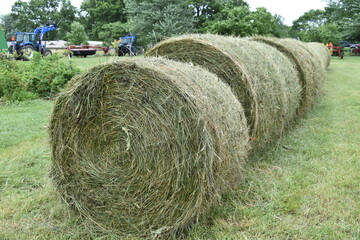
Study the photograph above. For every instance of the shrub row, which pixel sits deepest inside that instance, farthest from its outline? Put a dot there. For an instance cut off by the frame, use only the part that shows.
(41, 77)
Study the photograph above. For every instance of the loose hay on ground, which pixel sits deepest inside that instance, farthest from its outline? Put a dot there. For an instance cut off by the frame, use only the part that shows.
(262, 78)
(146, 146)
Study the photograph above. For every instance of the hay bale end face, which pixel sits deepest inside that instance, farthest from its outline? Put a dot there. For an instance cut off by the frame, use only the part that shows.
(263, 79)
(146, 146)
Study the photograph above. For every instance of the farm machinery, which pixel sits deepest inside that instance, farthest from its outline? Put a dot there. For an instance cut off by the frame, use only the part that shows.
(126, 46)
(86, 50)
(25, 43)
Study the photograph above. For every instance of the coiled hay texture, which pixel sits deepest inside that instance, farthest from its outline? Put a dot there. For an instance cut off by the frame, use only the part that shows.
(262, 78)
(146, 146)
(311, 73)
(322, 51)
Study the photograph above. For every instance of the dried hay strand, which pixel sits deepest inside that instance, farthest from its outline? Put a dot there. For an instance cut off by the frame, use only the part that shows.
(311, 73)
(322, 51)
(262, 78)
(146, 146)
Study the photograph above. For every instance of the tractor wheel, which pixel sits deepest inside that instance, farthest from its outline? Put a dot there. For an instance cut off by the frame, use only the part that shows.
(27, 51)
(47, 53)
(11, 49)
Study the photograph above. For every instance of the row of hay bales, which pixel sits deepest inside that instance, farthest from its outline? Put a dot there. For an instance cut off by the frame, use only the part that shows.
(144, 147)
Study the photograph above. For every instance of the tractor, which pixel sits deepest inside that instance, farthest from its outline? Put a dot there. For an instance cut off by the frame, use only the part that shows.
(126, 45)
(26, 43)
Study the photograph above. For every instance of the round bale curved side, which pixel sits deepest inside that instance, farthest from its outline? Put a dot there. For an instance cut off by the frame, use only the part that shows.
(322, 51)
(262, 78)
(311, 73)
(144, 147)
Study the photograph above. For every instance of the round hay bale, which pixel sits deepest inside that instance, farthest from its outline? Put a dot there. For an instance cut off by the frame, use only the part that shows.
(146, 146)
(322, 51)
(262, 78)
(311, 73)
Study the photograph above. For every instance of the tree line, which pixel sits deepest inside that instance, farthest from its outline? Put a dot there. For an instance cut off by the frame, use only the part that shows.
(153, 20)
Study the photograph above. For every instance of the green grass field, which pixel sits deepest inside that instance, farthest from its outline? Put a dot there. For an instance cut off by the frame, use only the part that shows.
(85, 63)
(308, 187)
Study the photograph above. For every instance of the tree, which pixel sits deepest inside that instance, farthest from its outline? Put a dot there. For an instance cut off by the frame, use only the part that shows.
(77, 35)
(158, 19)
(29, 15)
(319, 25)
(346, 14)
(35, 13)
(96, 14)
(240, 21)
(66, 15)
(232, 21)
(206, 11)
(112, 31)
(281, 30)
(8, 24)
(310, 20)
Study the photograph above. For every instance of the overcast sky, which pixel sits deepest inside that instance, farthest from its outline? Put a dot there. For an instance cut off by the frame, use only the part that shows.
(289, 9)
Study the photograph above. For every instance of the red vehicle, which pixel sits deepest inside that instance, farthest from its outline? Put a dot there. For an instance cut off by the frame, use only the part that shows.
(86, 50)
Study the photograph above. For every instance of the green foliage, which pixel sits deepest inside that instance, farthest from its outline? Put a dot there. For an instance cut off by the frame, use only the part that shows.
(240, 21)
(158, 19)
(339, 21)
(77, 35)
(27, 15)
(346, 13)
(30, 14)
(97, 14)
(207, 10)
(7, 23)
(42, 77)
(112, 31)
(66, 16)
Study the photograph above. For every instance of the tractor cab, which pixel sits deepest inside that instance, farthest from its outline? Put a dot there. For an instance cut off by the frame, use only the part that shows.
(126, 45)
(22, 37)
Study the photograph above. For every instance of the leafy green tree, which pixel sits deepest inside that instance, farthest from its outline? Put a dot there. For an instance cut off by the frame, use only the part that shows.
(346, 14)
(66, 15)
(8, 24)
(77, 35)
(207, 10)
(157, 19)
(35, 13)
(240, 21)
(317, 26)
(310, 20)
(112, 31)
(96, 14)
(280, 29)
(232, 21)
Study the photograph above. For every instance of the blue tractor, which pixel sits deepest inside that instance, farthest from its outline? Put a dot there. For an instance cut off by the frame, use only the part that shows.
(26, 43)
(126, 45)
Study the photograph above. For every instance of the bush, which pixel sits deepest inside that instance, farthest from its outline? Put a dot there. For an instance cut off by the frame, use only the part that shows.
(42, 77)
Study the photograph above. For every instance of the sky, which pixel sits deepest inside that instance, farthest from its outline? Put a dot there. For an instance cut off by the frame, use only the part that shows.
(289, 9)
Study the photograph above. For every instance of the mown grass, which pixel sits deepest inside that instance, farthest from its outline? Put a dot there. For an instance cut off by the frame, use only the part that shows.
(305, 188)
